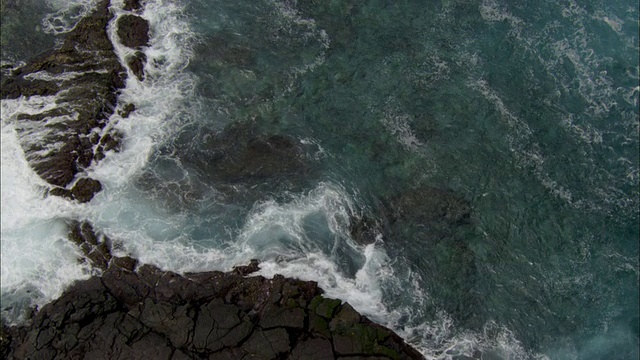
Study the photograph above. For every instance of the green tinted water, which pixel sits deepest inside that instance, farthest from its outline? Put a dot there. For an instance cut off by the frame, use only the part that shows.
(529, 111)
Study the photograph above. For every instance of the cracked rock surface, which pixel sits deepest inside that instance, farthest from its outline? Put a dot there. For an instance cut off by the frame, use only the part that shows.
(135, 311)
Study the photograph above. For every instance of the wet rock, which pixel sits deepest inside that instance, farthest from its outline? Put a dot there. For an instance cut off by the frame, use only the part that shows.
(62, 192)
(131, 5)
(247, 269)
(127, 110)
(133, 31)
(84, 75)
(151, 313)
(85, 188)
(96, 249)
(111, 140)
(5, 340)
(136, 64)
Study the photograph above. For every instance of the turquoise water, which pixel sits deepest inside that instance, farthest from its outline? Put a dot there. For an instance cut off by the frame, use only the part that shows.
(528, 111)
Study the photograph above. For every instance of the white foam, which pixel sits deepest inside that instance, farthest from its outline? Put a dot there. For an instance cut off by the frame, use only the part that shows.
(400, 126)
(491, 11)
(161, 100)
(66, 15)
(31, 133)
(612, 20)
(35, 251)
(301, 29)
(278, 235)
(65, 76)
(396, 121)
(37, 260)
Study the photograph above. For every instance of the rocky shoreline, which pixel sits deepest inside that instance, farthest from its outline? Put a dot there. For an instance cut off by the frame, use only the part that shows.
(84, 75)
(137, 311)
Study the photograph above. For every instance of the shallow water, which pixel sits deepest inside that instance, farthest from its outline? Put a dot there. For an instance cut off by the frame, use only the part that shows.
(527, 111)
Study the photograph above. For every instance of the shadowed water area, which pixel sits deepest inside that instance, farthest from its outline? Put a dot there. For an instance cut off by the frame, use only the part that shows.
(465, 172)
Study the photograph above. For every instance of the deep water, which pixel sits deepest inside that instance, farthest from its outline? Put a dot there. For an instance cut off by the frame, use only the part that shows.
(526, 110)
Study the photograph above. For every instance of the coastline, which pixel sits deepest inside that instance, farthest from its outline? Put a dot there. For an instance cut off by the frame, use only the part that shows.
(137, 310)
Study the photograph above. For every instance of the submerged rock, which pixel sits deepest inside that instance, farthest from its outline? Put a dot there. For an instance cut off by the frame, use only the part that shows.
(438, 223)
(141, 312)
(430, 227)
(85, 75)
(239, 165)
(428, 205)
(240, 153)
(425, 207)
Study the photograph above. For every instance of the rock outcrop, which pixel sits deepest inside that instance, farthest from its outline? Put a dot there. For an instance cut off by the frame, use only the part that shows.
(83, 77)
(133, 32)
(141, 312)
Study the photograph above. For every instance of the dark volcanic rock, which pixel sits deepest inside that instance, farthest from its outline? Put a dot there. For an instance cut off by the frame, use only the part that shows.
(132, 5)
(133, 31)
(136, 64)
(96, 249)
(85, 75)
(85, 188)
(111, 140)
(127, 110)
(150, 313)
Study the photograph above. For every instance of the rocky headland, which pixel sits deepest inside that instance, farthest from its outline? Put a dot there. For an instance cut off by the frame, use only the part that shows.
(135, 311)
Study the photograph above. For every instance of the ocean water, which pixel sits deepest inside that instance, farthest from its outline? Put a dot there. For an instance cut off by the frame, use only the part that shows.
(527, 110)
